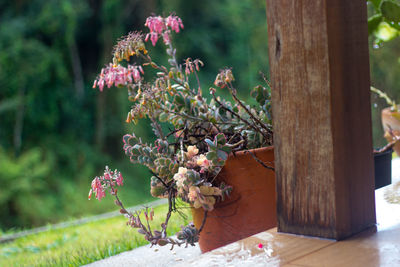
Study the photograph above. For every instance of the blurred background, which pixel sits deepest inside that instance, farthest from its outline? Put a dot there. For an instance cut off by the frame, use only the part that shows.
(57, 133)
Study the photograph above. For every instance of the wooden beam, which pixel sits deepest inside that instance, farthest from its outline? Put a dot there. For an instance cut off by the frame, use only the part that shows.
(318, 52)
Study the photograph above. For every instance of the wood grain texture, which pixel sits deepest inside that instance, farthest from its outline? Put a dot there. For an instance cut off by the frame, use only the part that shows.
(318, 52)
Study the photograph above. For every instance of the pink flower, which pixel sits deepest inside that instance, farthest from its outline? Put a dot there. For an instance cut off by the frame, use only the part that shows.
(118, 75)
(97, 189)
(155, 24)
(166, 38)
(174, 22)
(153, 38)
(260, 246)
(108, 180)
(160, 27)
(120, 180)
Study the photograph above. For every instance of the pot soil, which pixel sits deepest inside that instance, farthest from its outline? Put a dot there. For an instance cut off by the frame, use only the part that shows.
(391, 121)
(251, 207)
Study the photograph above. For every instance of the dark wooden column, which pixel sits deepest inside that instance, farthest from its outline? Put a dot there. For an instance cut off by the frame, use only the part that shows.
(318, 51)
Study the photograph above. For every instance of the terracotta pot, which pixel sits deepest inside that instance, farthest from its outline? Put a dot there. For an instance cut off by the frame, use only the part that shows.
(391, 120)
(251, 207)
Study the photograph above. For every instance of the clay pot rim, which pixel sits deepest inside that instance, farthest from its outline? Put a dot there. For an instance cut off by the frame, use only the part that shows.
(245, 152)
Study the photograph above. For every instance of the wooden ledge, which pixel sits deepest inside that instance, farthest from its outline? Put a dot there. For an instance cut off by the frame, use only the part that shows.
(369, 248)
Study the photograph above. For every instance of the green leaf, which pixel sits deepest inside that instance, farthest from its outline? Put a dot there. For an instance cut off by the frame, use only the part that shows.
(211, 155)
(210, 143)
(376, 3)
(179, 100)
(220, 139)
(373, 23)
(222, 155)
(163, 117)
(385, 32)
(227, 149)
(390, 11)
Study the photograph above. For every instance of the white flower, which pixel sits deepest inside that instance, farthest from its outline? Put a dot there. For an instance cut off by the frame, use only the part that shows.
(192, 151)
(180, 176)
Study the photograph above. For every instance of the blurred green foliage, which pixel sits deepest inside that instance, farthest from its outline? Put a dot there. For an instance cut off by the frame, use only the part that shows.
(56, 132)
(384, 30)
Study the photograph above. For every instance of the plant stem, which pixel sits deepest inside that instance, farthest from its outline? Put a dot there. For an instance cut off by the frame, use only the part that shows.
(260, 161)
(198, 83)
(238, 116)
(233, 93)
(158, 127)
(204, 221)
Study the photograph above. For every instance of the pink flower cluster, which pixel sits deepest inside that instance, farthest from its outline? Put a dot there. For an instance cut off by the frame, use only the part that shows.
(109, 180)
(118, 75)
(160, 26)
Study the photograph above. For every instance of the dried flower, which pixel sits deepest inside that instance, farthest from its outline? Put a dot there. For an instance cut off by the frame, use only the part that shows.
(193, 191)
(129, 45)
(223, 78)
(191, 66)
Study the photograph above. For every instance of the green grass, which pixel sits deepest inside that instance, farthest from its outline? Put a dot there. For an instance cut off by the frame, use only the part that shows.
(83, 244)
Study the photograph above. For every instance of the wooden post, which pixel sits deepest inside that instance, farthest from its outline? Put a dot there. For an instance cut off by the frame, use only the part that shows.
(318, 51)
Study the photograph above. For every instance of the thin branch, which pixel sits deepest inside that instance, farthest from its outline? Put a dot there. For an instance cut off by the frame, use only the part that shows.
(233, 93)
(158, 127)
(238, 116)
(198, 84)
(161, 180)
(204, 221)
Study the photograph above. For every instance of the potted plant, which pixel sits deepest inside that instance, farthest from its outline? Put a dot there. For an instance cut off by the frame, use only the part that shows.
(390, 120)
(391, 125)
(215, 155)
